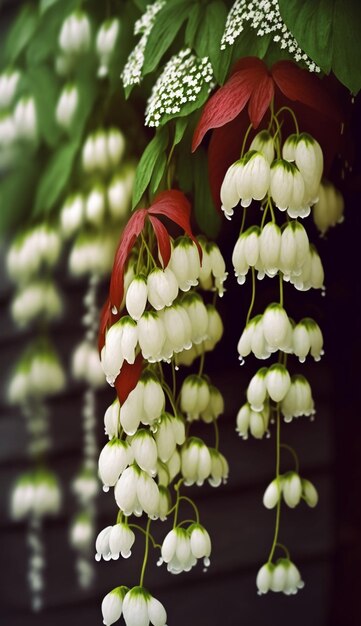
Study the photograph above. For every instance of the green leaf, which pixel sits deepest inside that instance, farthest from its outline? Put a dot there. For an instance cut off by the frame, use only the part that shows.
(208, 38)
(195, 16)
(329, 32)
(208, 220)
(21, 32)
(167, 24)
(16, 191)
(147, 164)
(44, 43)
(180, 128)
(44, 87)
(56, 177)
(158, 172)
(46, 4)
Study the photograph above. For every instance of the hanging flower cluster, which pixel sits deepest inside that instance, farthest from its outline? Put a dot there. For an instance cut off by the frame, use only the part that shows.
(264, 17)
(154, 315)
(283, 174)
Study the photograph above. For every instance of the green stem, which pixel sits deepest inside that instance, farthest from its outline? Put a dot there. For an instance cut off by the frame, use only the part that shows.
(174, 381)
(294, 454)
(243, 221)
(142, 530)
(281, 287)
(148, 249)
(192, 504)
(245, 139)
(170, 397)
(186, 521)
(146, 552)
(253, 295)
(201, 363)
(293, 116)
(283, 547)
(216, 432)
(278, 459)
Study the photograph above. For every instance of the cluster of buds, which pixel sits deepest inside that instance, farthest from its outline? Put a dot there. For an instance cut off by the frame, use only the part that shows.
(183, 547)
(103, 150)
(200, 400)
(292, 182)
(270, 250)
(35, 493)
(37, 299)
(273, 331)
(33, 250)
(292, 488)
(93, 252)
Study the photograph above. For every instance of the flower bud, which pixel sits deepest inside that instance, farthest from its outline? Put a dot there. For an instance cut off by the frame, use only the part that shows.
(272, 494)
(328, 210)
(136, 297)
(114, 458)
(151, 336)
(162, 288)
(309, 493)
(112, 605)
(105, 43)
(229, 192)
(72, 214)
(194, 396)
(185, 263)
(263, 142)
(253, 182)
(292, 489)
(257, 390)
(75, 34)
(277, 381)
(25, 119)
(145, 452)
(67, 105)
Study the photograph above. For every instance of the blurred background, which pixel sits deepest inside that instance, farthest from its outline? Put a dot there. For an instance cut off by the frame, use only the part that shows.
(325, 542)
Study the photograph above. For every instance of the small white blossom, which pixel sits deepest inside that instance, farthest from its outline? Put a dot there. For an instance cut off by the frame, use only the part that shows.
(67, 105)
(112, 605)
(25, 119)
(170, 433)
(328, 210)
(72, 214)
(194, 396)
(105, 42)
(95, 206)
(114, 458)
(75, 34)
(253, 422)
(298, 400)
(185, 263)
(162, 288)
(120, 343)
(196, 462)
(307, 338)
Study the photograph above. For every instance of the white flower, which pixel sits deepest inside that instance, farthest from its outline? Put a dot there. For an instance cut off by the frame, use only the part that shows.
(197, 313)
(145, 452)
(105, 43)
(307, 337)
(328, 210)
(311, 275)
(277, 328)
(8, 85)
(75, 34)
(196, 462)
(170, 432)
(194, 396)
(269, 250)
(257, 390)
(102, 548)
(114, 458)
(115, 146)
(215, 406)
(82, 532)
(39, 298)
(273, 493)
(309, 493)
(291, 489)
(86, 364)
(162, 288)
(136, 297)
(253, 180)
(176, 551)
(264, 578)
(112, 605)
(95, 206)
(309, 160)
(246, 252)
(67, 105)
(178, 330)
(277, 381)
(136, 492)
(287, 188)
(119, 192)
(121, 540)
(153, 397)
(72, 214)
(25, 119)
(263, 142)
(111, 419)
(295, 248)
(256, 422)
(120, 343)
(219, 470)
(298, 400)
(284, 576)
(229, 192)
(214, 328)
(213, 267)
(35, 493)
(86, 486)
(151, 336)
(185, 263)
(165, 502)
(140, 608)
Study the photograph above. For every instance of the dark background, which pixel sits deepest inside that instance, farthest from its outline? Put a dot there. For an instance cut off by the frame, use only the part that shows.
(324, 542)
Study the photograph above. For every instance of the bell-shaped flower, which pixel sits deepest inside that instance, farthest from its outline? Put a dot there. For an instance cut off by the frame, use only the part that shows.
(295, 248)
(269, 250)
(165, 503)
(213, 269)
(309, 493)
(95, 206)
(136, 297)
(72, 214)
(309, 160)
(273, 493)
(120, 343)
(67, 105)
(282, 576)
(152, 336)
(170, 432)
(111, 419)
(311, 275)
(178, 330)
(119, 193)
(112, 605)
(263, 142)
(176, 551)
(140, 609)
(215, 406)
(102, 549)
(277, 381)
(194, 396)
(115, 146)
(291, 489)
(254, 179)
(307, 338)
(153, 397)
(214, 328)
(277, 328)
(185, 263)
(287, 189)
(196, 462)
(136, 492)
(25, 119)
(105, 42)
(253, 422)
(162, 288)
(200, 541)
(219, 469)
(246, 253)
(82, 532)
(257, 390)
(229, 192)
(145, 452)
(121, 540)
(75, 34)
(328, 210)
(197, 313)
(114, 458)
(298, 400)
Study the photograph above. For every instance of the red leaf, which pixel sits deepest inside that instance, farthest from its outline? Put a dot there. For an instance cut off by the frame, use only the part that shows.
(128, 378)
(229, 100)
(130, 234)
(298, 84)
(260, 100)
(174, 205)
(246, 63)
(162, 235)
